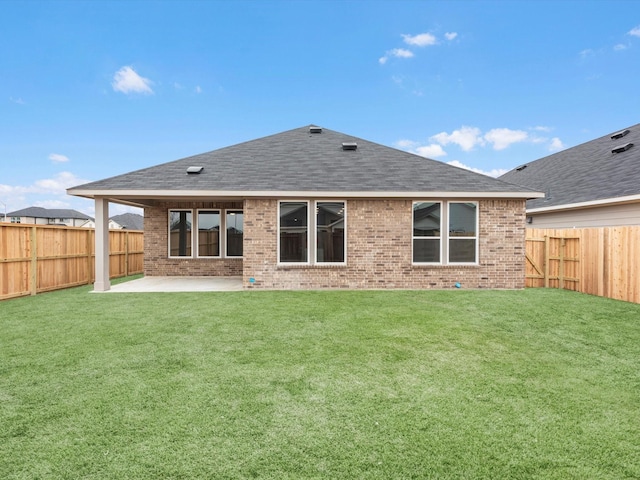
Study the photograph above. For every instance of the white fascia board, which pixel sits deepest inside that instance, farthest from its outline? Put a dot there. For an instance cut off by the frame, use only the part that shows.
(592, 203)
(164, 194)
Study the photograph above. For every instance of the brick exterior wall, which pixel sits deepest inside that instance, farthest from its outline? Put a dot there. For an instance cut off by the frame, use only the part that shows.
(378, 249)
(156, 245)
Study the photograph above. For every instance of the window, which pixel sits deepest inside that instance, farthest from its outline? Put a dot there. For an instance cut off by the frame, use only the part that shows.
(323, 232)
(330, 237)
(294, 232)
(15, 219)
(234, 221)
(458, 244)
(427, 228)
(209, 242)
(180, 222)
(208, 233)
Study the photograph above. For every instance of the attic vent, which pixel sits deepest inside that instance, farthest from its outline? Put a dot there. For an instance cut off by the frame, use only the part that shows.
(521, 167)
(349, 146)
(622, 148)
(315, 129)
(194, 170)
(618, 135)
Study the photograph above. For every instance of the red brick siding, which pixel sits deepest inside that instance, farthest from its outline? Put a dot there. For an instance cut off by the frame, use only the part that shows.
(156, 258)
(379, 250)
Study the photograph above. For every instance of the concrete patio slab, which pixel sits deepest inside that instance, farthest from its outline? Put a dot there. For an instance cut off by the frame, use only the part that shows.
(178, 284)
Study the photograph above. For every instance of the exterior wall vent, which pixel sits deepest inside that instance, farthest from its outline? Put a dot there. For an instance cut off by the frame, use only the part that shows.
(618, 135)
(313, 129)
(194, 170)
(622, 148)
(349, 146)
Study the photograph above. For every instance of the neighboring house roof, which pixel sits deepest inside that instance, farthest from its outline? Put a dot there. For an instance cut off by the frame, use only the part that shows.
(298, 161)
(39, 212)
(590, 173)
(129, 221)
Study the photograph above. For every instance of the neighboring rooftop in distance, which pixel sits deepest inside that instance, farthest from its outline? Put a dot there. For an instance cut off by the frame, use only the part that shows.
(129, 221)
(50, 213)
(596, 170)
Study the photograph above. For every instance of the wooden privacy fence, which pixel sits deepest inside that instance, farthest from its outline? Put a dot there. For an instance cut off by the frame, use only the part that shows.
(40, 258)
(601, 261)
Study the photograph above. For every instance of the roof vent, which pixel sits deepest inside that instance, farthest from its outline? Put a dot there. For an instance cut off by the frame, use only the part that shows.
(619, 134)
(521, 167)
(622, 148)
(194, 170)
(313, 129)
(349, 146)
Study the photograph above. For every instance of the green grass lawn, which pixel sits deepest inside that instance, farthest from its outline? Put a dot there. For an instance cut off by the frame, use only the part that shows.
(386, 384)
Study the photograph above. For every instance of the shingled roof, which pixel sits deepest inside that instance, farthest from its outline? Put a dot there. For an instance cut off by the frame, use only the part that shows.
(604, 168)
(299, 160)
(51, 213)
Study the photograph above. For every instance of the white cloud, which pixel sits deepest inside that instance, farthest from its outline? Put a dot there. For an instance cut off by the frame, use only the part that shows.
(406, 144)
(431, 151)
(556, 144)
(466, 138)
(420, 40)
(198, 89)
(17, 101)
(52, 204)
(501, 138)
(450, 35)
(541, 128)
(126, 80)
(496, 172)
(619, 47)
(396, 52)
(635, 31)
(57, 158)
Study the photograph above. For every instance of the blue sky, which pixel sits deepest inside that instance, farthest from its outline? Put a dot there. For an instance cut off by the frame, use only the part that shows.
(93, 89)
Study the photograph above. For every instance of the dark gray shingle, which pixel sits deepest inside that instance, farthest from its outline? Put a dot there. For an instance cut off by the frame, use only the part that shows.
(584, 173)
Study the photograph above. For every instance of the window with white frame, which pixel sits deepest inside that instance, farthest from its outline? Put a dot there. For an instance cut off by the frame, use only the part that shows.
(201, 236)
(208, 233)
(456, 244)
(180, 225)
(234, 220)
(463, 232)
(322, 233)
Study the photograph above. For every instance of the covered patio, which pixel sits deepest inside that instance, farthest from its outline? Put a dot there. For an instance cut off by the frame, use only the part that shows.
(178, 284)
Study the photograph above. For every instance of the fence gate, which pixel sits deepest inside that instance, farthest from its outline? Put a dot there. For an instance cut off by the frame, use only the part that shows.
(553, 262)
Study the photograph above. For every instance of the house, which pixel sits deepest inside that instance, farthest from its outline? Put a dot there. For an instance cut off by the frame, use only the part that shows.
(595, 184)
(316, 208)
(48, 216)
(125, 221)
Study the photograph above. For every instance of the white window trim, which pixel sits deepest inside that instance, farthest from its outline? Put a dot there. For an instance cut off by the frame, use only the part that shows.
(196, 237)
(224, 241)
(193, 221)
(222, 252)
(475, 237)
(414, 237)
(315, 231)
(444, 234)
(309, 233)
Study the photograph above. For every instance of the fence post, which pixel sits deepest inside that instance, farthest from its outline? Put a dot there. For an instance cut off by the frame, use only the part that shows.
(126, 253)
(563, 243)
(546, 261)
(33, 283)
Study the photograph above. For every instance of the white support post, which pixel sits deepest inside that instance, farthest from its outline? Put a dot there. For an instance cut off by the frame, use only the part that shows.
(102, 283)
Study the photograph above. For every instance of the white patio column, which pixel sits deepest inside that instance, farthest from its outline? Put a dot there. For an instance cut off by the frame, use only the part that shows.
(102, 283)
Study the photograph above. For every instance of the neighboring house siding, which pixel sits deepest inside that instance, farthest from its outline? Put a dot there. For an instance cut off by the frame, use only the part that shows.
(379, 236)
(609, 216)
(156, 259)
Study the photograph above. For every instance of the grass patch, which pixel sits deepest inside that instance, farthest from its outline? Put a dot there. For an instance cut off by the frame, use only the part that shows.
(433, 384)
